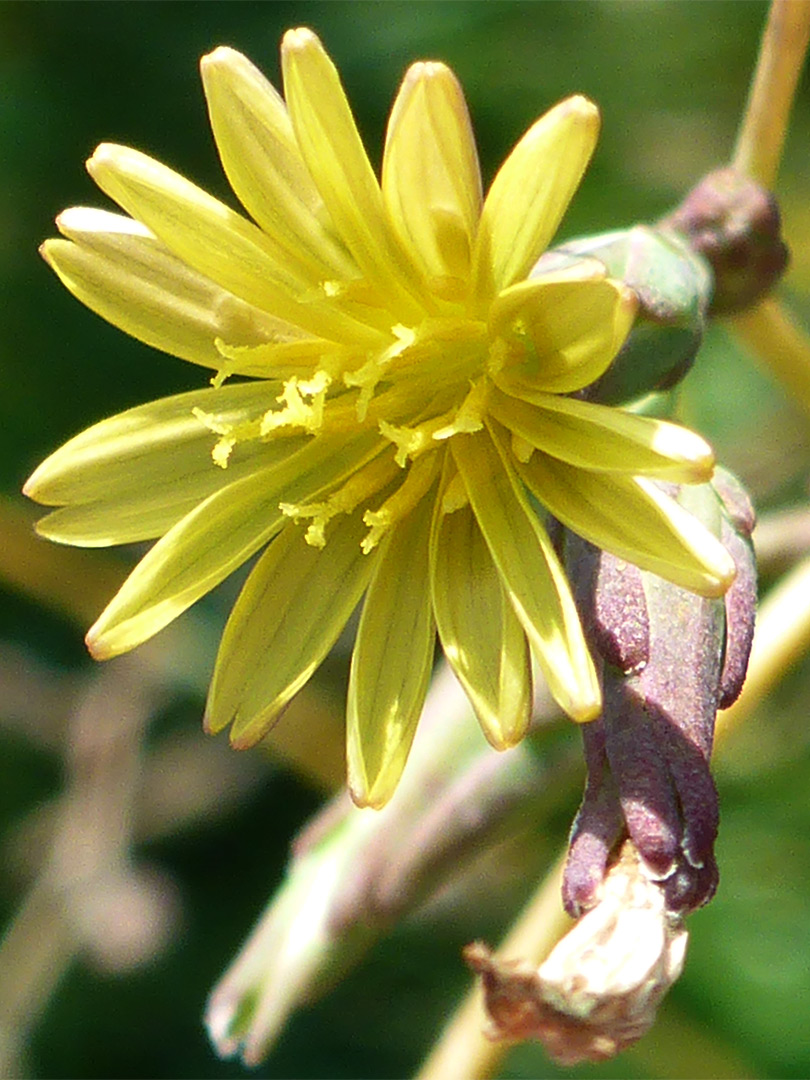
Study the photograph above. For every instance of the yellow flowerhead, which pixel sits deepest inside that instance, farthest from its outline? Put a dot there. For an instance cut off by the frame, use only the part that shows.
(404, 421)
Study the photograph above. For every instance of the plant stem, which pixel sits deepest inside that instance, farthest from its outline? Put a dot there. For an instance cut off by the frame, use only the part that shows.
(770, 332)
(782, 637)
(463, 1052)
(762, 132)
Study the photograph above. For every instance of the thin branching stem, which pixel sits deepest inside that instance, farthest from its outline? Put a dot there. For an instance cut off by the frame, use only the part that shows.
(770, 332)
(761, 137)
(463, 1052)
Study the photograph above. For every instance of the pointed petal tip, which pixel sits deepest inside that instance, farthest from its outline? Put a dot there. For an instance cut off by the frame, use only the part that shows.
(585, 710)
(724, 575)
(96, 645)
(104, 154)
(222, 55)
(368, 799)
(209, 726)
(300, 38)
(582, 106)
(243, 742)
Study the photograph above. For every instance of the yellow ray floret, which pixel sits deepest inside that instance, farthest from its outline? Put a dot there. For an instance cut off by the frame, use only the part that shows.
(405, 428)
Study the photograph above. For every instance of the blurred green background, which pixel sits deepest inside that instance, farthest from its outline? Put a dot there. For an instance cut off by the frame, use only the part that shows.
(671, 80)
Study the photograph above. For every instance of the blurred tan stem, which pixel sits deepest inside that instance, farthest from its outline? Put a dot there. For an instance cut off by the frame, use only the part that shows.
(781, 639)
(463, 1051)
(769, 332)
(761, 137)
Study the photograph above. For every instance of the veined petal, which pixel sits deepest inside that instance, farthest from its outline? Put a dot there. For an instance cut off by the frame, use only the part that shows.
(431, 181)
(262, 161)
(530, 194)
(160, 443)
(151, 510)
(604, 438)
(334, 154)
(288, 616)
(392, 661)
(481, 636)
(127, 276)
(219, 243)
(558, 335)
(216, 538)
(632, 518)
(531, 573)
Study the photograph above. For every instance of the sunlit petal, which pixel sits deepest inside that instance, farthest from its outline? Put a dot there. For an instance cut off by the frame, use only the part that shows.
(331, 147)
(126, 275)
(262, 161)
(218, 242)
(392, 661)
(288, 616)
(531, 573)
(481, 636)
(430, 179)
(147, 447)
(558, 335)
(605, 439)
(213, 540)
(635, 520)
(530, 194)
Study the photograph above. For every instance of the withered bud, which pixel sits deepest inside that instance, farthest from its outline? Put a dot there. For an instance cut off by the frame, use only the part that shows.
(735, 225)
(599, 990)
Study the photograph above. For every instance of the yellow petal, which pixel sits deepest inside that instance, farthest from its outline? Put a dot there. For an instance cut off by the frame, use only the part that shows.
(530, 194)
(261, 159)
(431, 181)
(531, 573)
(288, 616)
(558, 335)
(605, 439)
(151, 446)
(481, 636)
(219, 243)
(334, 154)
(392, 661)
(634, 519)
(147, 512)
(216, 538)
(126, 275)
